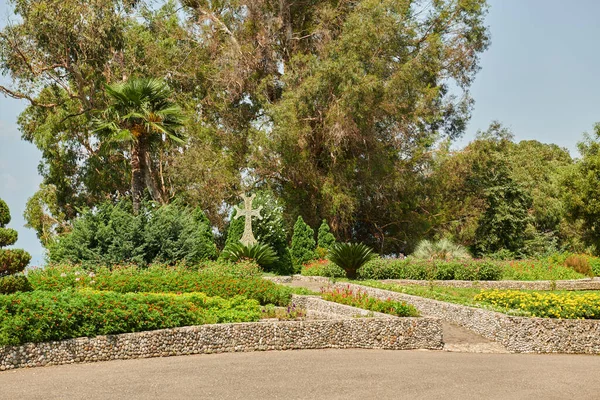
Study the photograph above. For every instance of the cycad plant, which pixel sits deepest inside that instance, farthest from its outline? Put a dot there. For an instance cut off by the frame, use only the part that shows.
(142, 113)
(441, 250)
(261, 254)
(350, 257)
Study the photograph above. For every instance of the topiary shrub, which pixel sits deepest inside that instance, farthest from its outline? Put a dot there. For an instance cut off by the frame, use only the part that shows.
(325, 238)
(303, 243)
(350, 257)
(12, 261)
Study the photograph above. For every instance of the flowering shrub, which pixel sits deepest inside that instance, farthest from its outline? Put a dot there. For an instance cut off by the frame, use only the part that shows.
(43, 316)
(360, 299)
(545, 305)
(160, 279)
(322, 267)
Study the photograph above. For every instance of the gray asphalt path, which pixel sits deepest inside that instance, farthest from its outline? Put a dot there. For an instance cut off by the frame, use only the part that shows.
(316, 374)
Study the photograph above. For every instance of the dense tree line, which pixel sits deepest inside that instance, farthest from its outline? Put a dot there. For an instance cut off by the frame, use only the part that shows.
(343, 110)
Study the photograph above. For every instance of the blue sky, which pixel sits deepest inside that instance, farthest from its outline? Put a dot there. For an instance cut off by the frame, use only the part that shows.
(539, 78)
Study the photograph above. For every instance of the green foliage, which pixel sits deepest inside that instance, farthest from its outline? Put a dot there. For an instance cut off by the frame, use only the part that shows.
(12, 261)
(112, 234)
(360, 299)
(42, 316)
(325, 238)
(303, 243)
(323, 268)
(504, 222)
(410, 268)
(261, 254)
(14, 283)
(4, 213)
(353, 124)
(239, 270)
(142, 113)
(582, 190)
(270, 230)
(160, 279)
(441, 250)
(350, 257)
(534, 270)
(8, 237)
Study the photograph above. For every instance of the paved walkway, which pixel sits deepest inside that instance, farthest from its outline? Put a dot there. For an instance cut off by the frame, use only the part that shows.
(456, 338)
(315, 374)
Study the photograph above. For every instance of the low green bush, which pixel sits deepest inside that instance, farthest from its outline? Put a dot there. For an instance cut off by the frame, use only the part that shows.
(410, 268)
(533, 270)
(322, 267)
(360, 299)
(112, 234)
(44, 316)
(160, 279)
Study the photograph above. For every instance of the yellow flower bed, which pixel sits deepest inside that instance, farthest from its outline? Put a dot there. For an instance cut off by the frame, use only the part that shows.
(545, 305)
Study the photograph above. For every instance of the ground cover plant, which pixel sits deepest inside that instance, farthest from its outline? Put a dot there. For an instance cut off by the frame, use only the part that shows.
(43, 316)
(530, 303)
(360, 299)
(545, 304)
(130, 279)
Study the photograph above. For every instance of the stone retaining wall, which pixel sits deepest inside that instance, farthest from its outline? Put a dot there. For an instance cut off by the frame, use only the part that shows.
(344, 332)
(517, 334)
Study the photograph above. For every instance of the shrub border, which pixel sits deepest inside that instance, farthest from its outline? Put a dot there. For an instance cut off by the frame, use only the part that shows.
(574, 284)
(338, 328)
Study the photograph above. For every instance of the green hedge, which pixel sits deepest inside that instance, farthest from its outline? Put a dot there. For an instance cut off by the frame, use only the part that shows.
(161, 279)
(468, 270)
(45, 316)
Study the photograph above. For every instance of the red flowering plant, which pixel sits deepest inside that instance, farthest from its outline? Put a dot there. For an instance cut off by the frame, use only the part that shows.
(361, 299)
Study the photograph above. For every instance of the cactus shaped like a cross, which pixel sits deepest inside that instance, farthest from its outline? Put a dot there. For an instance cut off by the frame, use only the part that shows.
(248, 237)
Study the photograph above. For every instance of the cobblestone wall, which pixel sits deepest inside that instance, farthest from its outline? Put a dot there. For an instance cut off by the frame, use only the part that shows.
(517, 334)
(342, 332)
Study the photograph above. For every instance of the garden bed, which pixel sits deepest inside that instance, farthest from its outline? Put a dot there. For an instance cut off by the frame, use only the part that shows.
(337, 326)
(517, 334)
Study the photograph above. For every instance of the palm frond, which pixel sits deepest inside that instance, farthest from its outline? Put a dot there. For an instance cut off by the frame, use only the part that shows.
(350, 257)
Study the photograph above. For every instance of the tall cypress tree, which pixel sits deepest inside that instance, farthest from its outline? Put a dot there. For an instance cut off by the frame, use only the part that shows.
(303, 243)
(325, 238)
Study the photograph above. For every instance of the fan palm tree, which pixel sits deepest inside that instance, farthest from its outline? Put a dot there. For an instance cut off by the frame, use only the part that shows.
(142, 113)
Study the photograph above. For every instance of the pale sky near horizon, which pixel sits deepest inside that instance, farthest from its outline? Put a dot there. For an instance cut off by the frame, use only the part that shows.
(539, 78)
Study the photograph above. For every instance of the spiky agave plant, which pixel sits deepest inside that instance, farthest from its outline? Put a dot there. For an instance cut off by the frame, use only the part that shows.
(441, 250)
(350, 257)
(262, 254)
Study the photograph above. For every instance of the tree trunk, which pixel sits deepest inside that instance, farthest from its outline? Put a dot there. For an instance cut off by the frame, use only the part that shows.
(150, 180)
(137, 179)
